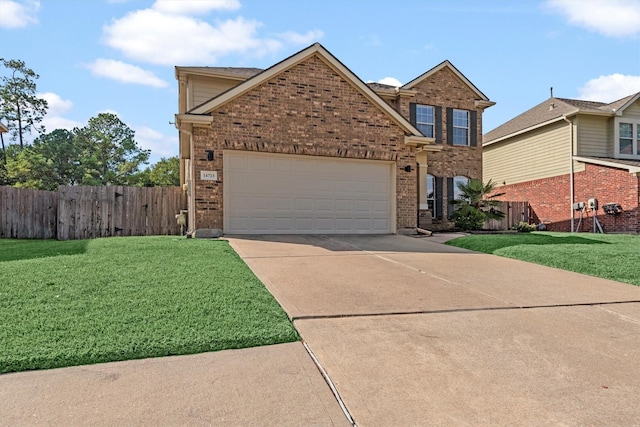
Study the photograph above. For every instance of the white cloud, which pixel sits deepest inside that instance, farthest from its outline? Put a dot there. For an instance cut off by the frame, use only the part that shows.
(18, 15)
(296, 38)
(610, 88)
(57, 108)
(160, 145)
(392, 81)
(194, 7)
(160, 36)
(125, 73)
(613, 18)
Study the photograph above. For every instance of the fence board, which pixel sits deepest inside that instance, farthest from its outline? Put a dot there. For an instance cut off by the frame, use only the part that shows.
(89, 212)
(28, 214)
(514, 213)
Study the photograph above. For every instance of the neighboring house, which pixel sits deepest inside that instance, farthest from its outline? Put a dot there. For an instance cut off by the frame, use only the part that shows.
(567, 151)
(305, 146)
(3, 128)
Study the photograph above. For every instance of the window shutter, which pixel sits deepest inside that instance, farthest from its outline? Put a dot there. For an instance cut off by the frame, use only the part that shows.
(449, 125)
(473, 127)
(412, 113)
(449, 197)
(439, 197)
(438, 124)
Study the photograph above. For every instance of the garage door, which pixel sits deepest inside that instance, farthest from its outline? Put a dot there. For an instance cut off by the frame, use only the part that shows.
(289, 194)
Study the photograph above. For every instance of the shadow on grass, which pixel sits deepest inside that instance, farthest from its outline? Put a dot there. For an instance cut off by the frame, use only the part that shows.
(18, 249)
(494, 242)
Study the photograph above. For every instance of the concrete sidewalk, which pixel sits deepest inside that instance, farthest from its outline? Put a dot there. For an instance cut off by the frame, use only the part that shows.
(412, 332)
(273, 385)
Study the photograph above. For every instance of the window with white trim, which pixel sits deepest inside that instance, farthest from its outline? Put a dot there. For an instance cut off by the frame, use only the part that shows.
(627, 135)
(425, 119)
(431, 194)
(460, 127)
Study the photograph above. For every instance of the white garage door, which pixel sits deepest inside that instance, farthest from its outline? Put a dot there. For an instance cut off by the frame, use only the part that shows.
(288, 194)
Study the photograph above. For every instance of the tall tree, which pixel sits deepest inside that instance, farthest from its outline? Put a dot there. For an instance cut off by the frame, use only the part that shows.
(110, 154)
(164, 173)
(53, 159)
(19, 105)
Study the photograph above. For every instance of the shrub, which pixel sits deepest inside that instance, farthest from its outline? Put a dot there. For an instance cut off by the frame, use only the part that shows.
(476, 205)
(525, 227)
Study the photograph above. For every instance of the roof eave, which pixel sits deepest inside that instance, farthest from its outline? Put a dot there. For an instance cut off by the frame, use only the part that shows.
(529, 129)
(194, 119)
(631, 169)
(291, 61)
(619, 111)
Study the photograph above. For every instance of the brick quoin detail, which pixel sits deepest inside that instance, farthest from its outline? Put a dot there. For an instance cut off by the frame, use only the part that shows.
(308, 110)
(549, 199)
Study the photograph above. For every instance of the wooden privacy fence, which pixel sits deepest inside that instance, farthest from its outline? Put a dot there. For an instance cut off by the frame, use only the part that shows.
(28, 214)
(88, 212)
(514, 213)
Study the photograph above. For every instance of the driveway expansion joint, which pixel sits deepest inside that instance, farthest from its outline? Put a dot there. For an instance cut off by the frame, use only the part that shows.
(460, 310)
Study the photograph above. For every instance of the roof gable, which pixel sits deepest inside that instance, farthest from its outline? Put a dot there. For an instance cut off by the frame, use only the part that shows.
(327, 58)
(620, 105)
(449, 65)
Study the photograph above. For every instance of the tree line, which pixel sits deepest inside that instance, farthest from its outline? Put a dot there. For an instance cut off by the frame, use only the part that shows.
(104, 152)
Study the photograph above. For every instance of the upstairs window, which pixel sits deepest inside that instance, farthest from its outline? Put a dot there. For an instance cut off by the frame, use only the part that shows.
(425, 120)
(460, 127)
(628, 138)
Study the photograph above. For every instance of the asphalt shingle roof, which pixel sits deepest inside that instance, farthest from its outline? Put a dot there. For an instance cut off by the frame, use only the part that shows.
(552, 108)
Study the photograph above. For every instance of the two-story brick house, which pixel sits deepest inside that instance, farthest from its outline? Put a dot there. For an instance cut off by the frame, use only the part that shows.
(564, 152)
(305, 146)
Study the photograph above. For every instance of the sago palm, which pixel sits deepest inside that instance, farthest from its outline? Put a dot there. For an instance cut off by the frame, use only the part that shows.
(476, 204)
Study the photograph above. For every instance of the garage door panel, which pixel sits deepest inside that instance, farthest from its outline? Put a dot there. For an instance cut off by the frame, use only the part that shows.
(288, 194)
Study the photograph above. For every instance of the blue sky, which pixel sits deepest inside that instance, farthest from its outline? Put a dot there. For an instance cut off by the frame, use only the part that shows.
(119, 56)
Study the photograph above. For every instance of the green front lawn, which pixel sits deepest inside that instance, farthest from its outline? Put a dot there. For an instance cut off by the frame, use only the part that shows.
(83, 302)
(610, 256)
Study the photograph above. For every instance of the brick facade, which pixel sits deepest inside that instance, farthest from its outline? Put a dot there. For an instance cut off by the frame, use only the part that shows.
(445, 89)
(308, 109)
(549, 199)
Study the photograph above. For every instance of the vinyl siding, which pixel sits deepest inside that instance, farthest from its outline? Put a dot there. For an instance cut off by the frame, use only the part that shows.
(633, 111)
(203, 89)
(593, 136)
(537, 154)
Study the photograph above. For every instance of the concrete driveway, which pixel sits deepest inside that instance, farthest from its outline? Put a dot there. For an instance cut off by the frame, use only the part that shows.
(413, 332)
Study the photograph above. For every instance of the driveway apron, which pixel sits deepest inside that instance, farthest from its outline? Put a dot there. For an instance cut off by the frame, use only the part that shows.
(414, 332)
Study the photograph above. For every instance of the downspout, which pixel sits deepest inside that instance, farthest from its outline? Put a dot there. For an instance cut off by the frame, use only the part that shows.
(571, 183)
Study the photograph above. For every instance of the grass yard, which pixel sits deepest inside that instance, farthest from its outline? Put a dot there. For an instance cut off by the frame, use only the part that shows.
(83, 302)
(610, 256)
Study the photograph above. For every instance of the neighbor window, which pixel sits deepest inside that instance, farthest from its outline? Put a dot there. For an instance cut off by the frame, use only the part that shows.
(425, 120)
(628, 138)
(431, 194)
(460, 127)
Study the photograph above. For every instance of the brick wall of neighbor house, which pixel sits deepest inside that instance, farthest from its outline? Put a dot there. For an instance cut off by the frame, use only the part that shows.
(310, 110)
(445, 89)
(549, 199)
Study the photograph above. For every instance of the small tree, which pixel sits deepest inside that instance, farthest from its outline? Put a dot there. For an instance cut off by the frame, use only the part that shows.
(477, 203)
(19, 106)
